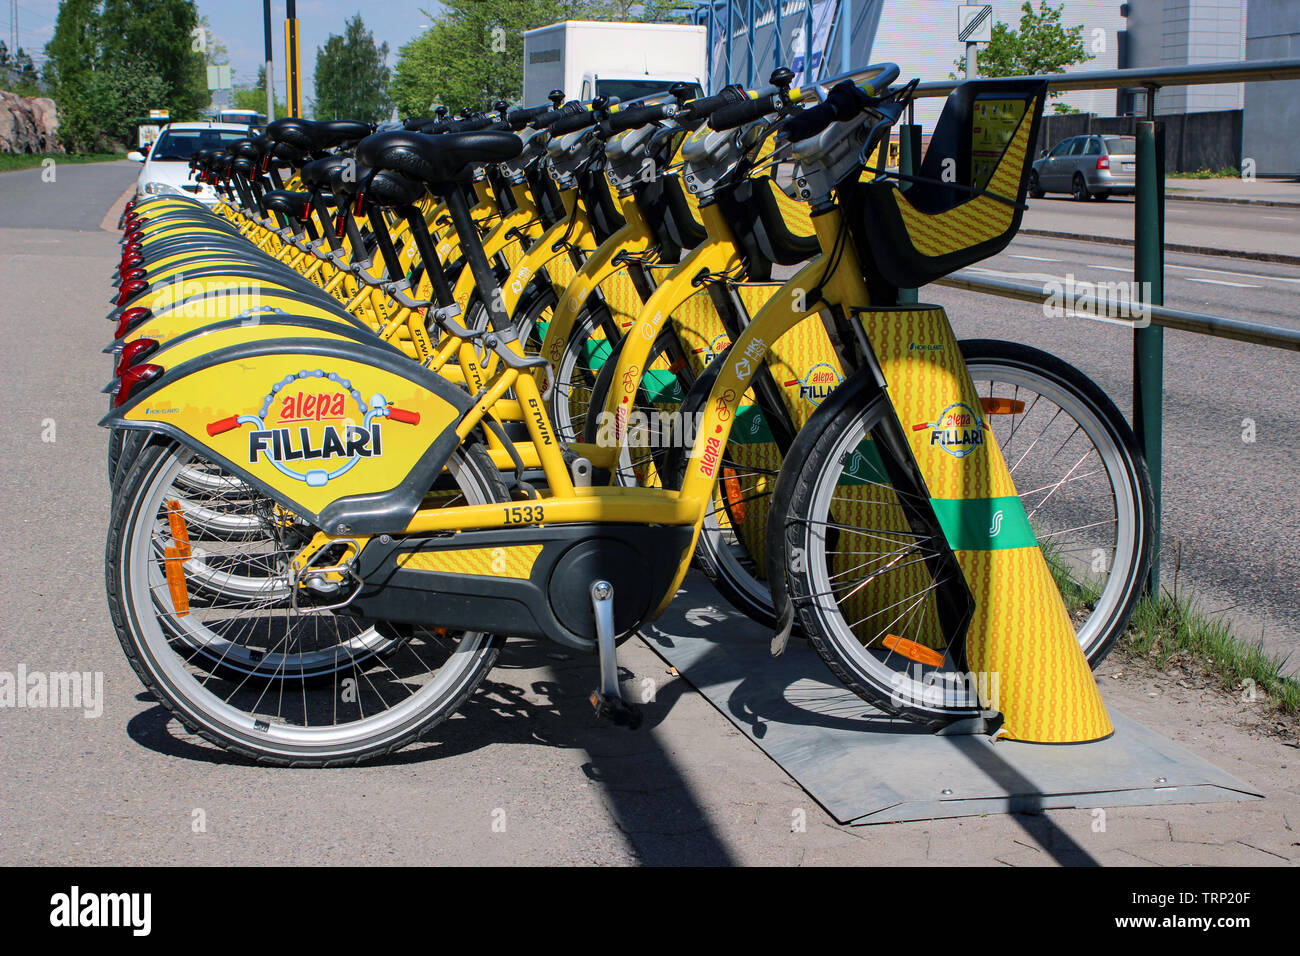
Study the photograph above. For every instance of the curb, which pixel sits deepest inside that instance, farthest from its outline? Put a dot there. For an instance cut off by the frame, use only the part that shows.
(1279, 257)
(1231, 201)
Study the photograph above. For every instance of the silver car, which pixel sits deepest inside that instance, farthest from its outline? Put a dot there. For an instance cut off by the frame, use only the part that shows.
(1087, 167)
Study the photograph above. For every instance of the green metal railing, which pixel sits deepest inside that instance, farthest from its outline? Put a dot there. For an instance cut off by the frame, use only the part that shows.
(1148, 241)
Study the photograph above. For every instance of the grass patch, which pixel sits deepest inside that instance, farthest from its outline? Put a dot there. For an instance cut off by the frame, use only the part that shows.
(1227, 172)
(1171, 629)
(9, 162)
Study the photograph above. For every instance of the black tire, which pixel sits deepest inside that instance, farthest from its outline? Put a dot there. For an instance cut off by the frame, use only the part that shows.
(817, 448)
(1079, 189)
(719, 552)
(791, 559)
(1035, 190)
(139, 614)
(1128, 477)
(574, 377)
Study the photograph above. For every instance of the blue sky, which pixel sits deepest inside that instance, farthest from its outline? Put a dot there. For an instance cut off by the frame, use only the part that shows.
(238, 24)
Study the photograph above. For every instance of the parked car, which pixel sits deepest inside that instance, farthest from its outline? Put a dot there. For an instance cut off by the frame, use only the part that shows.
(166, 167)
(1095, 166)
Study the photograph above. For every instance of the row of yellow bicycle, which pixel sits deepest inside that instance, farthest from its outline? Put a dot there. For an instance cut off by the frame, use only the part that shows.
(406, 393)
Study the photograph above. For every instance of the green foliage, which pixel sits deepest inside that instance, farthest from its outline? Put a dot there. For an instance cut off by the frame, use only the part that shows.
(351, 76)
(110, 61)
(1041, 45)
(95, 112)
(160, 37)
(472, 54)
(254, 97)
(18, 74)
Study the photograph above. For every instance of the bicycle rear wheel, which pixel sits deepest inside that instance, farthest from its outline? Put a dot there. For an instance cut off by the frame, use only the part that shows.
(261, 674)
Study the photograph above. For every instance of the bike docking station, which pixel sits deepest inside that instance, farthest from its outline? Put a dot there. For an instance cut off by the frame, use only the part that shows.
(1045, 739)
(864, 766)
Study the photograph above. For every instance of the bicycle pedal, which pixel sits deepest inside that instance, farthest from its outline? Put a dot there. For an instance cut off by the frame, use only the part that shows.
(616, 710)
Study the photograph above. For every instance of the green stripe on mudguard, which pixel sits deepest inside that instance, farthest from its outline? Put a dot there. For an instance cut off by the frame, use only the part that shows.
(984, 524)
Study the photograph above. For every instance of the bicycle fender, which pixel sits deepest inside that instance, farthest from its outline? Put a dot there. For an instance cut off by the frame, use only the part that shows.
(349, 436)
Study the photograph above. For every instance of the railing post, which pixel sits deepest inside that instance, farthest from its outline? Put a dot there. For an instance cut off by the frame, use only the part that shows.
(909, 161)
(1148, 342)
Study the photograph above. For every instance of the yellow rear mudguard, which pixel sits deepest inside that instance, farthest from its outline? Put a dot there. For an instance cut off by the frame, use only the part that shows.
(349, 436)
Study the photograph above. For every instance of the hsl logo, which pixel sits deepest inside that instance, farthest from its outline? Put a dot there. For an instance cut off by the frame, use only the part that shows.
(958, 430)
(818, 383)
(285, 428)
(995, 528)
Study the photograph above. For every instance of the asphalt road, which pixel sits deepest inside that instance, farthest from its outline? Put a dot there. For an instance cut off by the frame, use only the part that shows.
(1230, 528)
(524, 774)
(1251, 229)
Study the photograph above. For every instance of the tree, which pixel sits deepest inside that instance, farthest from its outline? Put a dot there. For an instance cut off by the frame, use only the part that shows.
(18, 74)
(98, 118)
(254, 97)
(352, 76)
(1040, 46)
(472, 53)
(165, 38)
(110, 61)
(74, 50)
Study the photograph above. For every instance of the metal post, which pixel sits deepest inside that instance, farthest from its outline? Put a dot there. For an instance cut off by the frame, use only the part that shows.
(750, 8)
(846, 40)
(727, 42)
(972, 61)
(778, 58)
(807, 43)
(909, 161)
(270, 68)
(291, 56)
(1148, 343)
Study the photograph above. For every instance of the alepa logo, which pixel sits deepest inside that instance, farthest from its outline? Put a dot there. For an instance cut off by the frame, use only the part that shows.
(816, 386)
(958, 430)
(307, 427)
(715, 348)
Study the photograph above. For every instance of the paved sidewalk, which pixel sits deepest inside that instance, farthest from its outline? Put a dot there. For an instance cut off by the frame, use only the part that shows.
(1235, 190)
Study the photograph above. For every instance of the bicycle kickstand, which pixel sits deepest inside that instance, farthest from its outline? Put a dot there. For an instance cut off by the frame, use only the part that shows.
(608, 698)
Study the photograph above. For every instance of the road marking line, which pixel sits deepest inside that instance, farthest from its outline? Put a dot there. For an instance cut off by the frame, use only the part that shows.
(1230, 272)
(1235, 285)
(1108, 268)
(1035, 258)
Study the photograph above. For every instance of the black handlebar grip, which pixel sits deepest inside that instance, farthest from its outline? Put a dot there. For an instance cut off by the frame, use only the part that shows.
(471, 125)
(707, 104)
(579, 119)
(738, 114)
(844, 101)
(639, 116)
(518, 119)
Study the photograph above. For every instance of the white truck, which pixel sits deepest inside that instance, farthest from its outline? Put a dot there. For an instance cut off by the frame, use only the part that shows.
(587, 58)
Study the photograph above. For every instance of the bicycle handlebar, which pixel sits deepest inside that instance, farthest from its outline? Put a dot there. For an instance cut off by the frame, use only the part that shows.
(745, 111)
(518, 119)
(844, 101)
(580, 118)
(705, 105)
(639, 116)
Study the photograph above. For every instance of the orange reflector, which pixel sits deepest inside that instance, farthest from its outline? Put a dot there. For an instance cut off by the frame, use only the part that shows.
(677, 365)
(735, 499)
(913, 651)
(1002, 406)
(180, 531)
(176, 580)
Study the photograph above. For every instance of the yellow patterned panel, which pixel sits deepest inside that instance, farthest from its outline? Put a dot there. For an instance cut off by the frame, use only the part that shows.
(797, 215)
(976, 220)
(515, 561)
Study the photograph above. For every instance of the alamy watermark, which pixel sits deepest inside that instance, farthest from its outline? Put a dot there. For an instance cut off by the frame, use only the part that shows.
(1120, 303)
(73, 690)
